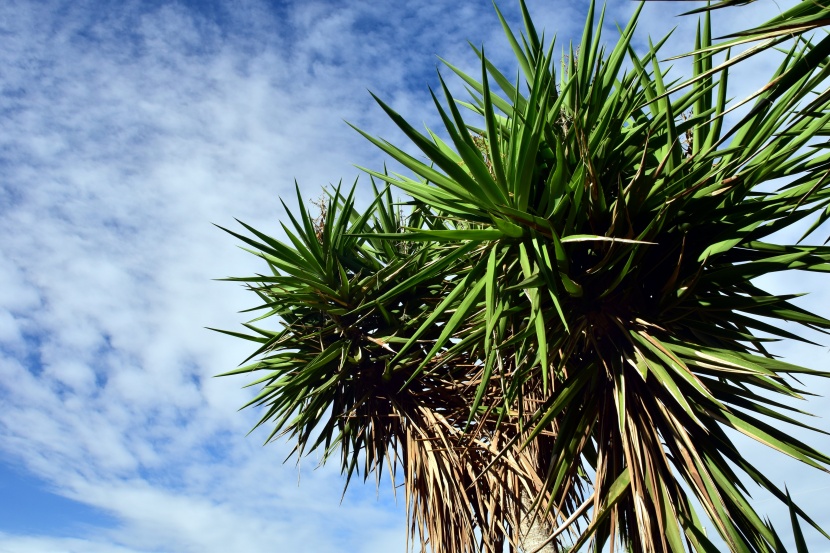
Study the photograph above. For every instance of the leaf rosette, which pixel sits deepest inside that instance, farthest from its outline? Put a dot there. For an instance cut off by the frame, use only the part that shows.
(563, 320)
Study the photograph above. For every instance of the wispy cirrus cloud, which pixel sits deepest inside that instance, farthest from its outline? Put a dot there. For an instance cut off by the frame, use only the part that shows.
(128, 130)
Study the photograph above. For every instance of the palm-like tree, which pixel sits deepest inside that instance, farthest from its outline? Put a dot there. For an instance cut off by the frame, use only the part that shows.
(561, 321)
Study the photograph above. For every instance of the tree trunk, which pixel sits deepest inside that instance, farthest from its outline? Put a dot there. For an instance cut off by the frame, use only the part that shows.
(533, 530)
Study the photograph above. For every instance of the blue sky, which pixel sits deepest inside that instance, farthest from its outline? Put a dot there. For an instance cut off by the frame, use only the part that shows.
(130, 127)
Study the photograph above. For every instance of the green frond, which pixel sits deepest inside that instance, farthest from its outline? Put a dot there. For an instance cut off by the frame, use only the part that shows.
(565, 318)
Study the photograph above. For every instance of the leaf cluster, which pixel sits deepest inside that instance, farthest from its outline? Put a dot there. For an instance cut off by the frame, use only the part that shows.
(562, 322)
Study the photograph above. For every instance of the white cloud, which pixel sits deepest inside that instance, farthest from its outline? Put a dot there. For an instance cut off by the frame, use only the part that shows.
(132, 131)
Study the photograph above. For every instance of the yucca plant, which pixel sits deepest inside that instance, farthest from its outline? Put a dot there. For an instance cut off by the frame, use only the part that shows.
(555, 329)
